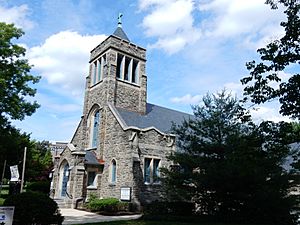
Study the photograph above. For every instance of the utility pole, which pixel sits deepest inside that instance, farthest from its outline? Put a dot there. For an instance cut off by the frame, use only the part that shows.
(23, 171)
(3, 172)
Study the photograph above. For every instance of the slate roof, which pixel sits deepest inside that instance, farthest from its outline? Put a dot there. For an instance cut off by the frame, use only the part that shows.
(290, 160)
(90, 158)
(121, 34)
(156, 116)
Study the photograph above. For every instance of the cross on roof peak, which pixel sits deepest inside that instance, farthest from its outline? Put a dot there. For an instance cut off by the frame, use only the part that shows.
(120, 20)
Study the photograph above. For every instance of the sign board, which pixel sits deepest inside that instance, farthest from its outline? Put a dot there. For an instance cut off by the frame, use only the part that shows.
(14, 173)
(125, 193)
(6, 215)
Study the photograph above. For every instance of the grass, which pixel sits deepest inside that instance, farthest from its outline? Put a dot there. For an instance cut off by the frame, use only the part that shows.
(3, 194)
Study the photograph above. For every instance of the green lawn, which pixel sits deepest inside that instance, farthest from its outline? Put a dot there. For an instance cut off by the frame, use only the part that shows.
(1, 201)
(3, 194)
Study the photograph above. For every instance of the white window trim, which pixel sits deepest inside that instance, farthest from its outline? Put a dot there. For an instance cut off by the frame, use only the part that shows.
(137, 78)
(95, 69)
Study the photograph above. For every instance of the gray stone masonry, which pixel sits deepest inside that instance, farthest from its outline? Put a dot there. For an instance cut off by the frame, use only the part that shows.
(128, 147)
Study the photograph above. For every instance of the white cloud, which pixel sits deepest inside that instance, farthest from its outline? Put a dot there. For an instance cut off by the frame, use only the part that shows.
(252, 19)
(171, 21)
(179, 23)
(264, 113)
(187, 99)
(17, 15)
(236, 89)
(63, 59)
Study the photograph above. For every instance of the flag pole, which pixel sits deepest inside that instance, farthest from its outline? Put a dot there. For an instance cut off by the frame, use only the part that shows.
(23, 171)
(3, 172)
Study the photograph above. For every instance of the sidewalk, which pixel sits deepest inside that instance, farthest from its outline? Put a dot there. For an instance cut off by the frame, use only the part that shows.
(74, 216)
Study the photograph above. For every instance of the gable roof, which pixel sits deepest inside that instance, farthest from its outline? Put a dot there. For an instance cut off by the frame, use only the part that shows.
(91, 159)
(156, 116)
(121, 34)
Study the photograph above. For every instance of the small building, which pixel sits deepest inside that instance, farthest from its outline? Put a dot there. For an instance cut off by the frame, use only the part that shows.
(121, 141)
(57, 147)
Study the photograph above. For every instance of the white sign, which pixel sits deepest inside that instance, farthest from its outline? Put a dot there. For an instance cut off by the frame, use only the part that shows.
(14, 173)
(6, 215)
(125, 193)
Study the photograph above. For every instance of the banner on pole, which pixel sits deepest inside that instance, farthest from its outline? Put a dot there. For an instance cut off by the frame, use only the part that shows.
(6, 215)
(14, 173)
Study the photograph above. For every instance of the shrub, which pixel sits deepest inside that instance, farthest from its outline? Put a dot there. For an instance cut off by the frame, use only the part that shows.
(39, 186)
(34, 208)
(107, 205)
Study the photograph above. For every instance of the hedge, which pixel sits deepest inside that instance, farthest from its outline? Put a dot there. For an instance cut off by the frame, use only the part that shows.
(34, 208)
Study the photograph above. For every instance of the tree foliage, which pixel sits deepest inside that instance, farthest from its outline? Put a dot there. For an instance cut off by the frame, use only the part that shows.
(12, 144)
(15, 90)
(39, 162)
(278, 56)
(231, 167)
(15, 79)
(38, 159)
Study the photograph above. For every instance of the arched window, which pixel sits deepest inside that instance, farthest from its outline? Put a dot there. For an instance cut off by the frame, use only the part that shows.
(97, 69)
(113, 171)
(95, 129)
(127, 69)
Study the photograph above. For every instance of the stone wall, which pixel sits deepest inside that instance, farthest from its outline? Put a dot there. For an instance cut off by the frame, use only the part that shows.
(76, 178)
(129, 149)
(153, 145)
(120, 45)
(119, 92)
(116, 147)
(77, 139)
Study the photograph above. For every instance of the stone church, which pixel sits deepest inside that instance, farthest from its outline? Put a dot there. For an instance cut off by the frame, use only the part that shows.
(121, 141)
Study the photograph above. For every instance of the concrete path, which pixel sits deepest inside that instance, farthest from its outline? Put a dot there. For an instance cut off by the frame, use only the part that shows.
(74, 216)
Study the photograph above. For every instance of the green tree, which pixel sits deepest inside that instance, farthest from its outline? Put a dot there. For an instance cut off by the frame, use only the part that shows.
(39, 161)
(12, 143)
(282, 55)
(15, 79)
(15, 88)
(232, 168)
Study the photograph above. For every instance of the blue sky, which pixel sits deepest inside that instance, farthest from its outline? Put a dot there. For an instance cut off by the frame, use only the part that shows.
(193, 46)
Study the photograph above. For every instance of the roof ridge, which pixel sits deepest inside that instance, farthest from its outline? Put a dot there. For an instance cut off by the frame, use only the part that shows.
(170, 109)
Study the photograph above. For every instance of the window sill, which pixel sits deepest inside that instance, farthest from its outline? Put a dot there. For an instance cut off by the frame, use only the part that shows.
(90, 149)
(91, 187)
(153, 184)
(128, 82)
(98, 82)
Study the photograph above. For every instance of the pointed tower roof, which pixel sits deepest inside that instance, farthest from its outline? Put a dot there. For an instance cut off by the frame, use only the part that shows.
(119, 31)
(121, 34)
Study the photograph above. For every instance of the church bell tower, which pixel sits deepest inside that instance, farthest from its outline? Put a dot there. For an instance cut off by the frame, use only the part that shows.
(117, 74)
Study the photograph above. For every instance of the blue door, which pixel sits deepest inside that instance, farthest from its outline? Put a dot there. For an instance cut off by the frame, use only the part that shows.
(65, 180)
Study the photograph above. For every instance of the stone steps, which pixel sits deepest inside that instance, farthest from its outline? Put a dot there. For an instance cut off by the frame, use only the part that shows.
(61, 203)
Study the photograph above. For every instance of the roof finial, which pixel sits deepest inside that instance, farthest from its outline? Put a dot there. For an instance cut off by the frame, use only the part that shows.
(120, 20)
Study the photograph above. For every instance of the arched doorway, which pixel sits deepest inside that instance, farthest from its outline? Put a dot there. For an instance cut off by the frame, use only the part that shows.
(64, 171)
